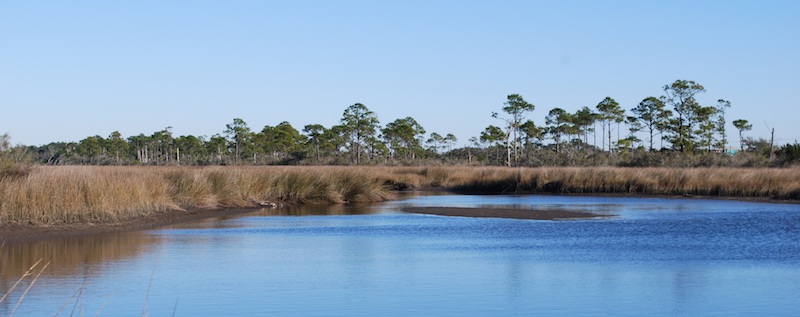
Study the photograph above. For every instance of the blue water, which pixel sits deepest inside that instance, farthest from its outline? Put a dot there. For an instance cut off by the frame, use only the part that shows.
(649, 257)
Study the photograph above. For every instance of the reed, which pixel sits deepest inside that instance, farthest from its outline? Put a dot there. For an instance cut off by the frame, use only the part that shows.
(55, 194)
(730, 182)
(777, 183)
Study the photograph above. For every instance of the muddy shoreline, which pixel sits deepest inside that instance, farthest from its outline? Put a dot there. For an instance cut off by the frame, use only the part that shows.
(20, 233)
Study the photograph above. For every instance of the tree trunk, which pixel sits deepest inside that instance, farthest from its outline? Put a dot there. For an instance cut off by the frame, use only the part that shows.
(316, 146)
(602, 140)
(680, 131)
(508, 149)
(772, 144)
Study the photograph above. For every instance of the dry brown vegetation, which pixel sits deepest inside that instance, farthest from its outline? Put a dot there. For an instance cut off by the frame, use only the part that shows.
(52, 194)
(730, 182)
(49, 194)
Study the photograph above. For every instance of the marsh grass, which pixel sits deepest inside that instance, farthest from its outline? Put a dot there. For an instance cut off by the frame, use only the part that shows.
(777, 183)
(54, 194)
(730, 182)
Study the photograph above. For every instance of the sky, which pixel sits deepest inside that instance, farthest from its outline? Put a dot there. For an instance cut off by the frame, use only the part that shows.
(74, 69)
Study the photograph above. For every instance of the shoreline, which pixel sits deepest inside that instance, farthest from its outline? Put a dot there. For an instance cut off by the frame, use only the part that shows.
(23, 233)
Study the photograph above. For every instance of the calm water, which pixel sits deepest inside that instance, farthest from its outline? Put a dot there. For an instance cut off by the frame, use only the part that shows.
(653, 257)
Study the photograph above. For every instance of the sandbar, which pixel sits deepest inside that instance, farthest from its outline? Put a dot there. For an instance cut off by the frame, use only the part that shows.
(534, 214)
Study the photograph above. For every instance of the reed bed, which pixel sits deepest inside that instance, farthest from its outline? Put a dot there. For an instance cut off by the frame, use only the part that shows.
(730, 182)
(49, 194)
(55, 194)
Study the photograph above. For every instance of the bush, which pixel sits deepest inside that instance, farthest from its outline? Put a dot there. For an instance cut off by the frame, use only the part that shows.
(12, 160)
(789, 154)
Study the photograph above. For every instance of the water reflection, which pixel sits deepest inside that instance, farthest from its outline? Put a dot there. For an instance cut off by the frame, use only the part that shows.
(68, 258)
(228, 222)
(660, 257)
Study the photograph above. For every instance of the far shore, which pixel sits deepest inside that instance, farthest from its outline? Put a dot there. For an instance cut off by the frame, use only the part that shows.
(60, 201)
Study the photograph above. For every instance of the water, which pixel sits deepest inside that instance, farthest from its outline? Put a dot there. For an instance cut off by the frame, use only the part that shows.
(652, 257)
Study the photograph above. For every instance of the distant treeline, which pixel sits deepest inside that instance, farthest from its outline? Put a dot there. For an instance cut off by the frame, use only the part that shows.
(679, 132)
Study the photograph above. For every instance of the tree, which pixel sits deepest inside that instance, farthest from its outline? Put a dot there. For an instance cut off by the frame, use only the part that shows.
(315, 133)
(706, 126)
(473, 142)
(436, 141)
(237, 131)
(630, 141)
(91, 147)
(516, 107)
(451, 140)
(141, 144)
(5, 143)
(290, 140)
(116, 144)
(493, 135)
(162, 144)
(680, 95)
(217, 146)
(583, 120)
(251, 146)
(376, 147)
(281, 141)
(722, 104)
(403, 136)
(742, 126)
(651, 114)
(359, 124)
(532, 132)
(189, 146)
(339, 137)
(610, 112)
(557, 120)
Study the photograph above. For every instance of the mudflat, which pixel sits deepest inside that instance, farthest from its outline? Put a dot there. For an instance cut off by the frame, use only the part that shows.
(535, 214)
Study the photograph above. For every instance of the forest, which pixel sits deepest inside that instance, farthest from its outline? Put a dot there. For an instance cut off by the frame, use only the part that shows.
(672, 130)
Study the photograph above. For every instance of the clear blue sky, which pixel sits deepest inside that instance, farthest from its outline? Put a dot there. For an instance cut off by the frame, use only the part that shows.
(72, 69)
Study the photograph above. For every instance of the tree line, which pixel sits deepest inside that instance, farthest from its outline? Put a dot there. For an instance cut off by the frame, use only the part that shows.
(358, 139)
(686, 127)
(688, 134)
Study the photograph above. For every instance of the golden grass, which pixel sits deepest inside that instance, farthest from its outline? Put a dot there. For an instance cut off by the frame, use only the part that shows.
(735, 182)
(55, 194)
(93, 193)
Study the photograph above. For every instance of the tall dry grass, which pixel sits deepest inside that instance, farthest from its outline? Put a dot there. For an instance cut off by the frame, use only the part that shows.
(736, 182)
(54, 194)
(93, 193)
